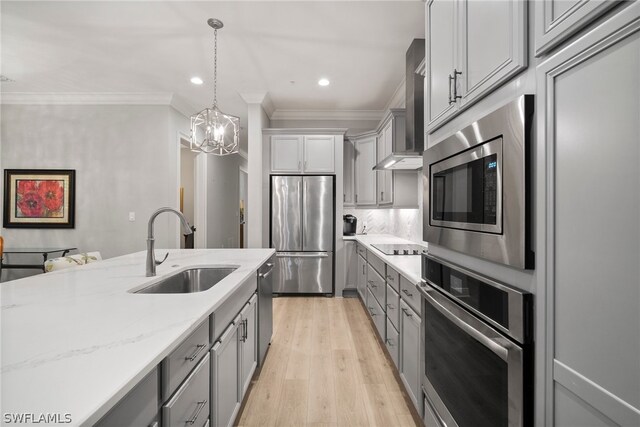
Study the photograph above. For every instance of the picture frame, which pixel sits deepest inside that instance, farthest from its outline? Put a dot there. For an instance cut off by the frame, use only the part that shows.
(39, 198)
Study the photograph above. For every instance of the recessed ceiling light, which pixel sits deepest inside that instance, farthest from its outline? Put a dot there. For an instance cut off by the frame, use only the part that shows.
(323, 82)
(196, 80)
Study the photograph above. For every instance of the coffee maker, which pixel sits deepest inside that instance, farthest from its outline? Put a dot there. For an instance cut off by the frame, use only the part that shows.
(350, 224)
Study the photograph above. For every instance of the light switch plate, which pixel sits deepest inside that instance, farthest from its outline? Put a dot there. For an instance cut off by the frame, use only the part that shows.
(132, 216)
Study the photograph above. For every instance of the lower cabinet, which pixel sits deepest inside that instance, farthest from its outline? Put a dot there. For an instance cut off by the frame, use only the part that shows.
(138, 408)
(393, 342)
(362, 277)
(249, 348)
(189, 405)
(377, 314)
(234, 358)
(410, 351)
(225, 376)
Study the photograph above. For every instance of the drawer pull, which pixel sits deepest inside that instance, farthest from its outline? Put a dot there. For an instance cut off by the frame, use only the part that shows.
(389, 342)
(391, 306)
(390, 278)
(404, 310)
(371, 311)
(195, 354)
(199, 409)
(404, 291)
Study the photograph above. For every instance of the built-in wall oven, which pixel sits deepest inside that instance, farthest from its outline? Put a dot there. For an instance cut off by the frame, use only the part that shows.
(477, 197)
(476, 333)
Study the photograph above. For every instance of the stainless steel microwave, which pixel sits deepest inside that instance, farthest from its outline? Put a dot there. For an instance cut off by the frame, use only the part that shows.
(477, 187)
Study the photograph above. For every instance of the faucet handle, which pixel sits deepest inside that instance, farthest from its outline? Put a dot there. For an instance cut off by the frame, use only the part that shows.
(163, 259)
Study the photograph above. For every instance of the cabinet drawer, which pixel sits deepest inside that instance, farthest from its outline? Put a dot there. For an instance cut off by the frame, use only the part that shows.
(190, 404)
(377, 315)
(183, 359)
(393, 306)
(410, 294)
(376, 263)
(362, 251)
(393, 342)
(393, 278)
(224, 315)
(376, 283)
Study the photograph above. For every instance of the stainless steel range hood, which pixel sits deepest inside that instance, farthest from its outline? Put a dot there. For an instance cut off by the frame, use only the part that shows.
(407, 154)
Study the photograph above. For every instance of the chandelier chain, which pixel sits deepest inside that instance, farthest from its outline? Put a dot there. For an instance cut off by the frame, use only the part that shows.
(215, 67)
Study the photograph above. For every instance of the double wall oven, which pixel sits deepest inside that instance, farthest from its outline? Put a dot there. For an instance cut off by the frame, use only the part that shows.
(477, 368)
(477, 197)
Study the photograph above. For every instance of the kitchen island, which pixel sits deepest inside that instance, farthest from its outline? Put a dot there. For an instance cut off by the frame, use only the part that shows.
(76, 341)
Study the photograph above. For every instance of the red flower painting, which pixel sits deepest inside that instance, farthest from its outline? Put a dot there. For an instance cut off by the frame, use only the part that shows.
(39, 198)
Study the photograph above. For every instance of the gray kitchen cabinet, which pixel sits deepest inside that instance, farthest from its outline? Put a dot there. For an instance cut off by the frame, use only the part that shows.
(366, 155)
(362, 276)
(249, 340)
(318, 154)
(351, 265)
(409, 293)
(286, 153)
(393, 342)
(410, 352)
(376, 283)
(556, 20)
(588, 109)
(139, 407)
(393, 306)
(473, 47)
(441, 26)
(189, 405)
(225, 376)
(303, 154)
(377, 315)
(492, 46)
(384, 177)
(348, 179)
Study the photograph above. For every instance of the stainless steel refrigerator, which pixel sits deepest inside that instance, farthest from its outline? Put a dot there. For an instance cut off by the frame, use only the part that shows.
(302, 233)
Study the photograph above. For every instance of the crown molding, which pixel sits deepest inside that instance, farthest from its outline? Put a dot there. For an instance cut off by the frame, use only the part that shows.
(182, 105)
(398, 98)
(327, 115)
(304, 131)
(87, 98)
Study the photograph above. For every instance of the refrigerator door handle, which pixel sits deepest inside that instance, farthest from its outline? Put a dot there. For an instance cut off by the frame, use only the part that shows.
(302, 255)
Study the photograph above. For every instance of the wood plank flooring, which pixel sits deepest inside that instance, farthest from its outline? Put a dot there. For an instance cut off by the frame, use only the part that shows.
(325, 367)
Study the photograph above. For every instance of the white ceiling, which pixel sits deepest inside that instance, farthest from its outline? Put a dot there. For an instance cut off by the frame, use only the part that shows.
(158, 46)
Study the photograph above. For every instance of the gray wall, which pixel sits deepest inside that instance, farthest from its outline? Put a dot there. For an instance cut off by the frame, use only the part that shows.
(125, 159)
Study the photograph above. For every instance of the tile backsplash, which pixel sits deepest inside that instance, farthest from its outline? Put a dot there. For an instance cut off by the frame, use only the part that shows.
(405, 223)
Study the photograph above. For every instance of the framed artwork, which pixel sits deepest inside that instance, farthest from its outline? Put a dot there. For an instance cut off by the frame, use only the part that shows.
(39, 198)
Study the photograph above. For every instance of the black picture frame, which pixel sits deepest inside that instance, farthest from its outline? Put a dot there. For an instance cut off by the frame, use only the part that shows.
(28, 203)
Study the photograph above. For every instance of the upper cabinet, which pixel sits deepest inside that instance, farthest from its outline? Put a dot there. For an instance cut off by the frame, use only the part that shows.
(302, 154)
(348, 179)
(392, 129)
(365, 150)
(555, 20)
(473, 46)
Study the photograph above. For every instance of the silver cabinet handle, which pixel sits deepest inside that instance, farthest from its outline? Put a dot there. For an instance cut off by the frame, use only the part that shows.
(404, 291)
(344, 198)
(456, 73)
(451, 101)
(199, 409)
(267, 274)
(299, 165)
(388, 341)
(269, 264)
(305, 164)
(390, 278)
(371, 311)
(199, 348)
(391, 306)
(372, 284)
(356, 198)
(363, 269)
(302, 255)
(382, 195)
(246, 329)
(406, 312)
(154, 424)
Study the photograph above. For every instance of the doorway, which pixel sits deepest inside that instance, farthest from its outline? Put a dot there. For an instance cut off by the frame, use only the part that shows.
(243, 191)
(192, 193)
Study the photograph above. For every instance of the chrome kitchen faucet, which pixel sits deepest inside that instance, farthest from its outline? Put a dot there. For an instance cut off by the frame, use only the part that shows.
(151, 258)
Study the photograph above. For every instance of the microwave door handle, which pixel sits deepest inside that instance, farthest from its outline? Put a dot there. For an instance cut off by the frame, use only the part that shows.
(498, 348)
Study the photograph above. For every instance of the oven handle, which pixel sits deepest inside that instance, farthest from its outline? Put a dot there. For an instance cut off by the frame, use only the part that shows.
(492, 344)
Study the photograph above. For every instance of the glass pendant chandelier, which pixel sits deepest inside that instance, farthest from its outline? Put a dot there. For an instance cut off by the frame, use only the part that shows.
(212, 131)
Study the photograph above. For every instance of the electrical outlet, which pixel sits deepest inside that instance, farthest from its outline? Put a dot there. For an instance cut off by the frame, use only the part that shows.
(132, 216)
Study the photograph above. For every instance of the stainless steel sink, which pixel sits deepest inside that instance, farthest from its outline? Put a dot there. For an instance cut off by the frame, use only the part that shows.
(188, 281)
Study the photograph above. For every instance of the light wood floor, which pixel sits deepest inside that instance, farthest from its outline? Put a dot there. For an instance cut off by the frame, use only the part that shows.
(325, 367)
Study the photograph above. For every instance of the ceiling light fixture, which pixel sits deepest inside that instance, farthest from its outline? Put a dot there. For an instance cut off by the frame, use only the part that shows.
(196, 80)
(212, 131)
(324, 82)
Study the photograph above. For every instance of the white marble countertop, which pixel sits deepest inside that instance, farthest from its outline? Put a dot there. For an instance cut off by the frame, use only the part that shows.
(410, 266)
(76, 341)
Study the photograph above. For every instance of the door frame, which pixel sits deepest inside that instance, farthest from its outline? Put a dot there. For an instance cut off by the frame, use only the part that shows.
(200, 193)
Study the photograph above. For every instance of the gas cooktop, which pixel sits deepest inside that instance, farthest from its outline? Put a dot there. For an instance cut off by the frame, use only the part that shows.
(401, 249)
